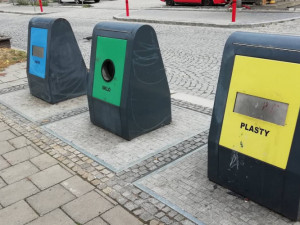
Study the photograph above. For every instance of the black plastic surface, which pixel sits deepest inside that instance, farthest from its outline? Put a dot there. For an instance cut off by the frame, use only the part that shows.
(263, 183)
(66, 73)
(145, 100)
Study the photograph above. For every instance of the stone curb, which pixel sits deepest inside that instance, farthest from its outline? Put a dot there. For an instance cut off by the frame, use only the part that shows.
(24, 13)
(251, 25)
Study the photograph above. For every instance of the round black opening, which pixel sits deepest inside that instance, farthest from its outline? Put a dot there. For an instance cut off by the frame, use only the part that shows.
(108, 70)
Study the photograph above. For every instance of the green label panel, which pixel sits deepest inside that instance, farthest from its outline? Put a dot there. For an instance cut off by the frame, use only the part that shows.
(114, 50)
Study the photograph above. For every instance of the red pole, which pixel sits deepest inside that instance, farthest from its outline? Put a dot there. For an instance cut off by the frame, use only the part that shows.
(127, 8)
(233, 10)
(41, 5)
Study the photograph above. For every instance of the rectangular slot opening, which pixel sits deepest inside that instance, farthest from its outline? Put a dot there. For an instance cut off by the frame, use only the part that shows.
(38, 51)
(261, 108)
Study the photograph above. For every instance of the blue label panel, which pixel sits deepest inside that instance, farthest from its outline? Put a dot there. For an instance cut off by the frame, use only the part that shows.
(38, 51)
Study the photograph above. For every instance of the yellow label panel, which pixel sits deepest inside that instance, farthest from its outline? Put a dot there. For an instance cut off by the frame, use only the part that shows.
(269, 79)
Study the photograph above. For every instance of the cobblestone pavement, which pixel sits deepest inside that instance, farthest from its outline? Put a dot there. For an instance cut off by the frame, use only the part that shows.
(192, 55)
(184, 184)
(192, 58)
(36, 188)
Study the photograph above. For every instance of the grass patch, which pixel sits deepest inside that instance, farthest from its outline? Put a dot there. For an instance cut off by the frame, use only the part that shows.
(86, 6)
(10, 56)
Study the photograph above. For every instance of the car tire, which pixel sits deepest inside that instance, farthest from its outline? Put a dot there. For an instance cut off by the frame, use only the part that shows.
(207, 2)
(170, 2)
(78, 1)
(96, 1)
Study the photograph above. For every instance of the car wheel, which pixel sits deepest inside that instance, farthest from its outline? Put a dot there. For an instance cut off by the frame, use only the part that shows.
(170, 2)
(207, 2)
(97, 1)
(78, 1)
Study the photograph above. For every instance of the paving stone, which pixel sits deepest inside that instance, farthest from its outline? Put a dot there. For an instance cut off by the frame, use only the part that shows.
(17, 214)
(43, 161)
(21, 155)
(6, 135)
(5, 147)
(56, 217)
(87, 207)
(77, 186)
(3, 126)
(16, 192)
(50, 176)
(3, 163)
(119, 216)
(2, 183)
(19, 142)
(97, 221)
(50, 199)
(18, 172)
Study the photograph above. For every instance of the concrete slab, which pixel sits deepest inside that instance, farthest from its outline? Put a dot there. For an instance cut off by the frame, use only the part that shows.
(87, 207)
(97, 221)
(183, 185)
(2, 183)
(21, 155)
(6, 135)
(119, 216)
(18, 172)
(3, 126)
(17, 214)
(56, 217)
(49, 199)
(50, 177)
(36, 109)
(5, 147)
(117, 153)
(77, 186)
(16, 192)
(19, 142)
(3, 163)
(43, 161)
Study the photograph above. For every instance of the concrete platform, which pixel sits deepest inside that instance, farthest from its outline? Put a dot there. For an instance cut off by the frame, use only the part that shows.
(117, 153)
(36, 109)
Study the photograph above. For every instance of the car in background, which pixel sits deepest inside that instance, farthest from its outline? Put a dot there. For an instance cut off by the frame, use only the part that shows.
(198, 2)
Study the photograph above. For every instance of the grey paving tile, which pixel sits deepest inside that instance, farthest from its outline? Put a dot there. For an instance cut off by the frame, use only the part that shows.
(19, 142)
(3, 126)
(56, 217)
(18, 172)
(21, 155)
(43, 161)
(16, 192)
(96, 221)
(50, 199)
(5, 147)
(50, 176)
(2, 183)
(17, 214)
(3, 163)
(87, 207)
(6, 135)
(119, 216)
(77, 186)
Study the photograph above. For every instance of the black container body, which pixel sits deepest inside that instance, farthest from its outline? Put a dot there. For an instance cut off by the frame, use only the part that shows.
(277, 189)
(145, 102)
(65, 70)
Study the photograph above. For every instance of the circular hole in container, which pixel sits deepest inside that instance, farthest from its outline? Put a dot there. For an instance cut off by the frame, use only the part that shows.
(108, 70)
